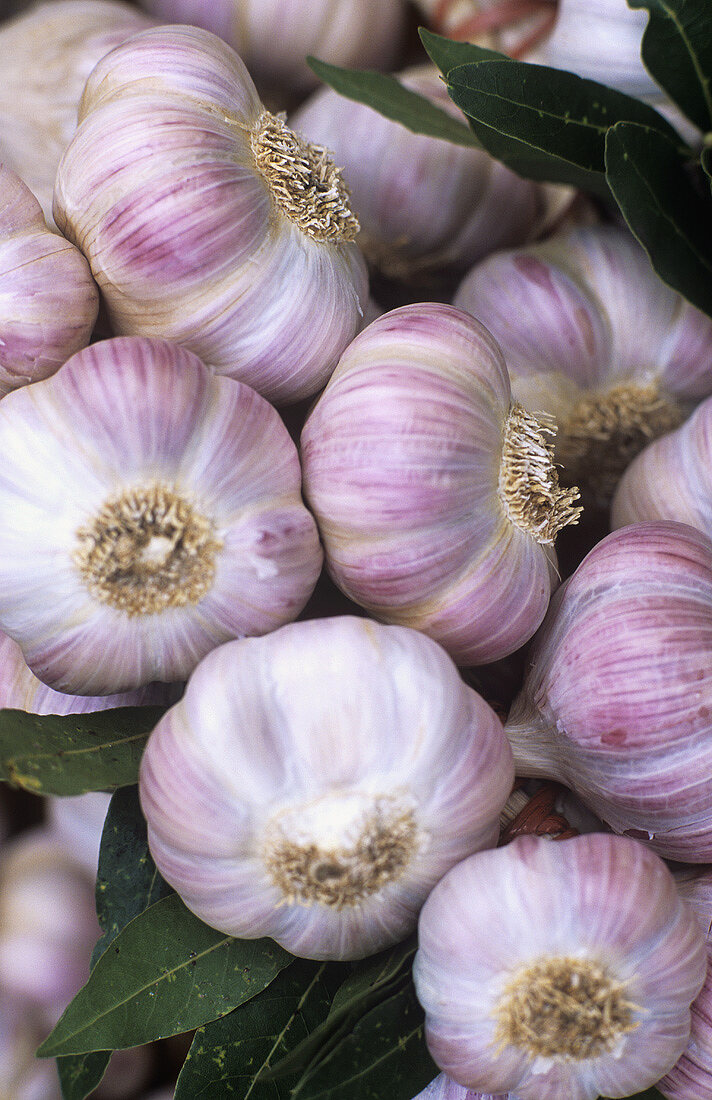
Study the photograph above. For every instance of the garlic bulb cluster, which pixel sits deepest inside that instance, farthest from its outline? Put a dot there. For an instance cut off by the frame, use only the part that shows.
(206, 220)
(49, 300)
(437, 498)
(617, 703)
(593, 336)
(423, 204)
(274, 37)
(318, 800)
(585, 988)
(48, 53)
(156, 513)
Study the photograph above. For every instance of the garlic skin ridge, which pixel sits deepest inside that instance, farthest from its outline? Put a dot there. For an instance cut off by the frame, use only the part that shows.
(49, 301)
(617, 701)
(314, 784)
(586, 987)
(214, 226)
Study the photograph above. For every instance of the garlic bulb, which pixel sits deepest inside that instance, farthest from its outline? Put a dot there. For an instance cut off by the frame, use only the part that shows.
(77, 823)
(315, 784)
(617, 703)
(273, 37)
(512, 26)
(48, 53)
(215, 226)
(49, 300)
(593, 336)
(444, 1088)
(422, 204)
(437, 498)
(586, 987)
(156, 513)
(24, 1077)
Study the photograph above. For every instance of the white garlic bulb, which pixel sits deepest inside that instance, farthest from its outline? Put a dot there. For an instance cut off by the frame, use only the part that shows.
(156, 513)
(205, 220)
(313, 785)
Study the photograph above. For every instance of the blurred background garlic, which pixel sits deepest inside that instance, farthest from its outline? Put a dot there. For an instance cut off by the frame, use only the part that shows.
(437, 499)
(23, 1076)
(424, 205)
(591, 335)
(511, 26)
(273, 37)
(313, 785)
(47, 54)
(48, 299)
(214, 225)
(617, 702)
(156, 513)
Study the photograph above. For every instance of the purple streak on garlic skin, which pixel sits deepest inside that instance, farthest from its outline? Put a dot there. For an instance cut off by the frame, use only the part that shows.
(586, 986)
(48, 301)
(314, 784)
(617, 703)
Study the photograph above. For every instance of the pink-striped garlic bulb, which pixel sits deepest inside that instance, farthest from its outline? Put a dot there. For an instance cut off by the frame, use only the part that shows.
(593, 336)
(437, 499)
(617, 702)
(315, 784)
(206, 220)
(49, 301)
(585, 985)
(47, 54)
(156, 512)
(274, 37)
(423, 205)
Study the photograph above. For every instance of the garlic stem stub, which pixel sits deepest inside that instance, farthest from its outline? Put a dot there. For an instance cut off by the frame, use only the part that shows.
(437, 499)
(584, 990)
(156, 512)
(206, 220)
(313, 785)
(617, 702)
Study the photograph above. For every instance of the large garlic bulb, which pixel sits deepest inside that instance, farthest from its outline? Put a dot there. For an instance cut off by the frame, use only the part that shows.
(437, 498)
(422, 204)
(156, 512)
(558, 970)
(205, 220)
(617, 703)
(315, 784)
(593, 336)
(274, 37)
(47, 54)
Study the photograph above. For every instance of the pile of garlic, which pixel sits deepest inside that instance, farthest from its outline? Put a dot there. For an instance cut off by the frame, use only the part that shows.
(244, 421)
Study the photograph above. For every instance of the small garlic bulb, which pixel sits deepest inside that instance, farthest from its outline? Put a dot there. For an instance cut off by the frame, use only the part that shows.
(617, 702)
(274, 37)
(560, 970)
(593, 336)
(437, 499)
(215, 226)
(423, 204)
(156, 512)
(315, 784)
(47, 54)
(49, 300)
(512, 28)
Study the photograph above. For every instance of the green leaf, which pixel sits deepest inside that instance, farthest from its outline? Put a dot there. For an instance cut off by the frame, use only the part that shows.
(387, 95)
(80, 1074)
(677, 50)
(544, 123)
(164, 974)
(74, 753)
(663, 209)
(447, 53)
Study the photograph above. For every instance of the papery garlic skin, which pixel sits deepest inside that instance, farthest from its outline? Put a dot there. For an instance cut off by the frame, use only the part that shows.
(617, 702)
(48, 299)
(443, 1088)
(48, 53)
(593, 336)
(313, 785)
(433, 510)
(204, 219)
(156, 513)
(422, 204)
(274, 37)
(586, 987)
